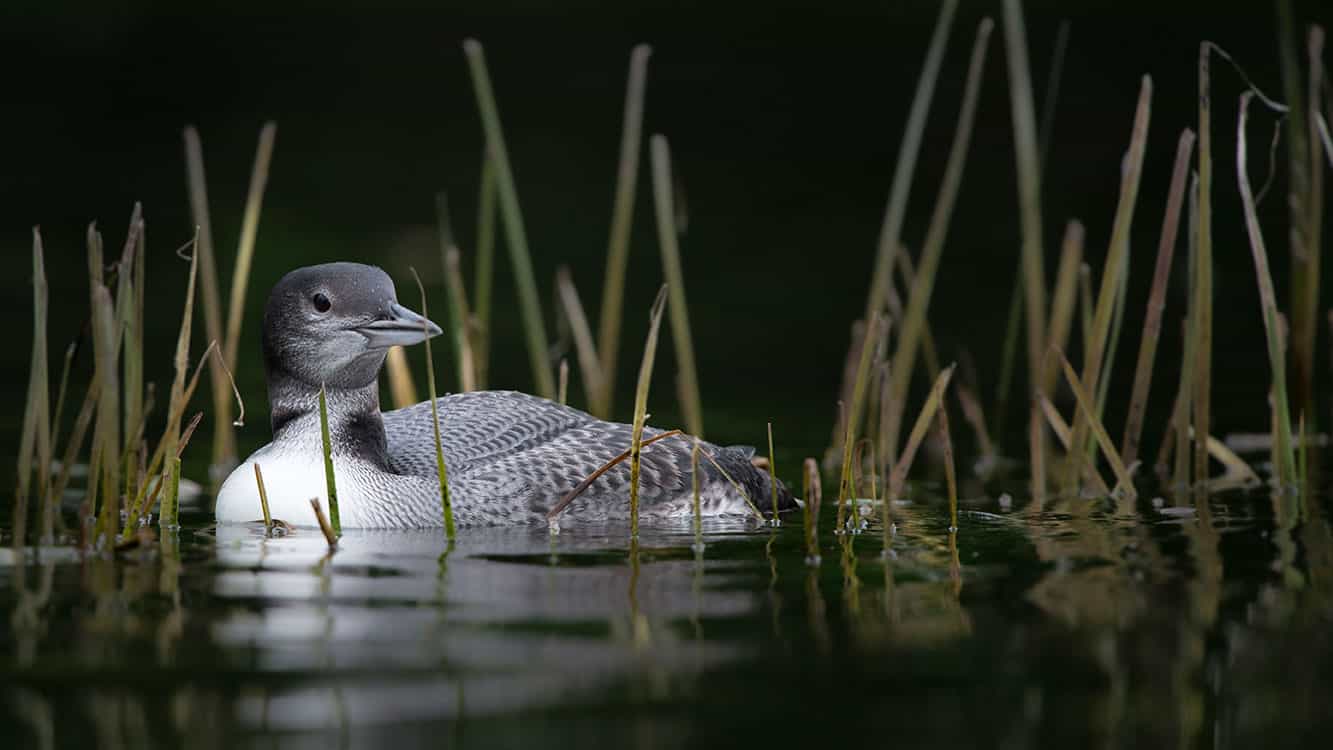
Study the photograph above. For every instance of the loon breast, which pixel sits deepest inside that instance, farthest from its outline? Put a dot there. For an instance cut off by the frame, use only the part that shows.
(293, 474)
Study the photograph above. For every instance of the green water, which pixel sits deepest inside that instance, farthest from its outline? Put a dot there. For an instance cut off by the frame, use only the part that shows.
(1087, 623)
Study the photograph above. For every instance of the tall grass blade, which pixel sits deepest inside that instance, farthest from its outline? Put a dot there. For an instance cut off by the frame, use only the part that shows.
(622, 217)
(905, 165)
(326, 445)
(1115, 272)
(1285, 467)
(1152, 323)
(460, 317)
(1307, 253)
(641, 407)
(1299, 175)
(210, 296)
(484, 270)
(1028, 165)
(129, 337)
(512, 216)
(1066, 287)
(34, 458)
(590, 367)
(1201, 303)
(245, 248)
(904, 357)
(772, 478)
(675, 281)
(106, 431)
(853, 412)
(441, 468)
(950, 473)
(1124, 481)
(935, 399)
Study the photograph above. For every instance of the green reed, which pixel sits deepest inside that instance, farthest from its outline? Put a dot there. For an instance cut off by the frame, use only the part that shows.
(688, 376)
(853, 413)
(934, 401)
(590, 366)
(1152, 324)
(1285, 467)
(1201, 303)
(914, 318)
(485, 270)
(641, 407)
(890, 234)
(1087, 409)
(460, 317)
(950, 473)
(209, 292)
(1114, 278)
(622, 217)
(772, 478)
(34, 458)
(326, 446)
(512, 216)
(442, 470)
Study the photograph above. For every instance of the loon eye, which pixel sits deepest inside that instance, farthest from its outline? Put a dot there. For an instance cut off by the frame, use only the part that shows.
(321, 302)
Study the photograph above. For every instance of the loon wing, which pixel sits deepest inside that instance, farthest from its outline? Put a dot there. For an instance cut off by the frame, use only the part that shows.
(476, 428)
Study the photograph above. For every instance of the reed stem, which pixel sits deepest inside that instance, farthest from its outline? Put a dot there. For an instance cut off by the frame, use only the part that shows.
(1114, 275)
(263, 499)
(934, 401)
(326, 444)
(853, 412)
(622, 218)
(675, 282)
(904, 358)
(1286, 468)
(1201, 304)
(772, 479)
(905, 165)
(209, 294)
(1028, 165)
(641, 408)
(484, 270)
(441, 469)
(590, 367)
(512, 216)
(1152, 324)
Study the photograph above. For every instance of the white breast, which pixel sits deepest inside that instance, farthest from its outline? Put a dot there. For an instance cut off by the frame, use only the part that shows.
(291, 478)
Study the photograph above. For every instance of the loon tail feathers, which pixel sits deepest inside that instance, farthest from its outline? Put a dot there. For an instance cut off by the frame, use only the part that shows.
(736, 460)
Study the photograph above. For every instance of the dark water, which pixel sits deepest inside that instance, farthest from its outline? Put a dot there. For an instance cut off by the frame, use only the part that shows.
(1166, 622)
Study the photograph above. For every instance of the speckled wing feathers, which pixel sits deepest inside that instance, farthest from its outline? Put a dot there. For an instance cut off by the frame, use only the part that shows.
(510, 454)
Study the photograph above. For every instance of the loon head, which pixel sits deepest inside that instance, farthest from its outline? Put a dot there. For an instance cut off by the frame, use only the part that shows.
(333, 324)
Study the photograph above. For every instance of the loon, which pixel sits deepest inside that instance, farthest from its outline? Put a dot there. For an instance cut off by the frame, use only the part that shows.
(510, 457)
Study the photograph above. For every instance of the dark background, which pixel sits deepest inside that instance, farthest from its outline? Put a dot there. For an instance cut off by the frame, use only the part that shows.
(784, 118)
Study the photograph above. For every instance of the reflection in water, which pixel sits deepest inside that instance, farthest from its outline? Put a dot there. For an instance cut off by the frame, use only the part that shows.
(1188, 622)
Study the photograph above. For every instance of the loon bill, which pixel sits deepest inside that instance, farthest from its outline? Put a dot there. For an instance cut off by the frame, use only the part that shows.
(510, 456)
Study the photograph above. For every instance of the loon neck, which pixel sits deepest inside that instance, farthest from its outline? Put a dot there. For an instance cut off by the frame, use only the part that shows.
(355, 425)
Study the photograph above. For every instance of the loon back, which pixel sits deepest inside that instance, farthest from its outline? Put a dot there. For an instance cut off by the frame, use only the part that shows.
(527, 453)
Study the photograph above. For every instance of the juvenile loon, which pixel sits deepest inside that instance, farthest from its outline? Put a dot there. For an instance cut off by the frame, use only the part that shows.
(510, 456)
